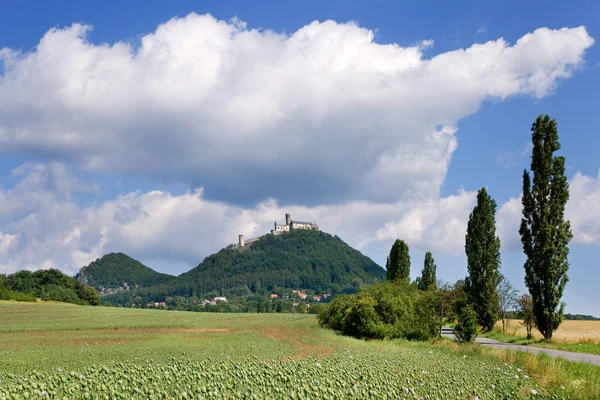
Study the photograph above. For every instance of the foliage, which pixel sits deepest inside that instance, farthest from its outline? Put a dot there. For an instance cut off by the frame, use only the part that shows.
(48, 284)
(7, 294)
(300, 259)
(544, 232)
(398, 267)
(316, 308)
(507, 300)
(526, 313)
(447, 300)
(466, 328)
(115, 269)
(383, 310)
(428, 279)
(482, 247)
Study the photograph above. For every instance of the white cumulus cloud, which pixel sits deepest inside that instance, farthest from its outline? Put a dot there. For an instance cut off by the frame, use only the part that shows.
(51, 229)
(243, 112)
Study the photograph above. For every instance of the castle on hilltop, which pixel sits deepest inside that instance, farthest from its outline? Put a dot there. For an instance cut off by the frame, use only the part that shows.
(281, 228)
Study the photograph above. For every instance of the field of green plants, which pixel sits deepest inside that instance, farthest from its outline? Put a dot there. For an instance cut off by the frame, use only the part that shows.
(66, 351)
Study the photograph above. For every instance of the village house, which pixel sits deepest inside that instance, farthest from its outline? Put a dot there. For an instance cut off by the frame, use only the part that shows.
(300, 294)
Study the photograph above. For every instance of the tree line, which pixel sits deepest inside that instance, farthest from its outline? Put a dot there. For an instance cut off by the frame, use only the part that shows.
(50, 285)
(485, 296)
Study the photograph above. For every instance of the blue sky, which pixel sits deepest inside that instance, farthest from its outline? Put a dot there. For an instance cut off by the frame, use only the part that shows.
(164, 134)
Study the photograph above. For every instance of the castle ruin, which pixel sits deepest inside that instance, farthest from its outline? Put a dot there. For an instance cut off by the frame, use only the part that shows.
(281, 228)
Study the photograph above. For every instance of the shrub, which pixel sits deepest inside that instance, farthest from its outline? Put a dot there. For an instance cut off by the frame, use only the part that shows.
(316, 308)
(466, 328)
(382, 310)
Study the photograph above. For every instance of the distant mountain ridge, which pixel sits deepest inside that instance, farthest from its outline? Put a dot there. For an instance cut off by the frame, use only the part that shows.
(118, 270)
(300, 259)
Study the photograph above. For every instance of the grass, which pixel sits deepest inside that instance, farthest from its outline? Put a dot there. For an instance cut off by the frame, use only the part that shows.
(54, 337)
(575, 336)
(573, 380)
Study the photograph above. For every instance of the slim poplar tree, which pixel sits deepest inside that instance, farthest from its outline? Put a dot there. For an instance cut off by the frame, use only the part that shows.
(482, 247)
(428, 274)
(545, 234)
(398, 265)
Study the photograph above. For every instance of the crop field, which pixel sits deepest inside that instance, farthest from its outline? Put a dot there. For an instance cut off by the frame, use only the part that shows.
(52, 350)
(568, 332)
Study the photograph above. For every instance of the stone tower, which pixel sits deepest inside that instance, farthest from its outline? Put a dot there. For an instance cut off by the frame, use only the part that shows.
(241, 238)
(288, 219)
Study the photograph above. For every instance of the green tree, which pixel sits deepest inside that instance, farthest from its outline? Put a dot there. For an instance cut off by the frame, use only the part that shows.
(525, 312)
(545, 234)
(88, 294)
(482, 247)
(507, 300)
(398, 267)
(466, 328)
(428, 279)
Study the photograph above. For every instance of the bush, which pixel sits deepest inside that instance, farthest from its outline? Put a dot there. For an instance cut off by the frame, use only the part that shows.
(466, 328)
(316, 308)
(382, 310)
(48, 284)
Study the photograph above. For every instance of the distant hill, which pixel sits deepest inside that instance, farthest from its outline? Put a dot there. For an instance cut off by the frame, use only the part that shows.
(116, 269)
(299, 259)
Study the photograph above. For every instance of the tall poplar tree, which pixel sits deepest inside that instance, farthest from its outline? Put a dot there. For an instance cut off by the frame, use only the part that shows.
(544, 232)
(427, 280)
(482, 247)
(398, 265)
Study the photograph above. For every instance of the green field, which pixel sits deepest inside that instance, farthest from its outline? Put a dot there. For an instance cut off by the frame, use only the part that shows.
(55, 350)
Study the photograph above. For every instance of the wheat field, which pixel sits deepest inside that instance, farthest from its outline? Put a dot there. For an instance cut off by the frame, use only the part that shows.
(568, 332)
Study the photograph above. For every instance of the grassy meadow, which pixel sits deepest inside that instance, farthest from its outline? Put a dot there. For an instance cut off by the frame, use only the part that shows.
(56, 350)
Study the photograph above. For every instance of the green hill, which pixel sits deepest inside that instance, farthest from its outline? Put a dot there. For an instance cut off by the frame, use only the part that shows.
(296, 260)
(115, 269)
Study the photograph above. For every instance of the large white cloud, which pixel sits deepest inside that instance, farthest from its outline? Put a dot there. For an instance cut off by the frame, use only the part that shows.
(247, 114)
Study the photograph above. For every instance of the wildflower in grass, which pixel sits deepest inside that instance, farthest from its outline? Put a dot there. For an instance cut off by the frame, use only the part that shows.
(406, 390)
(533, 391)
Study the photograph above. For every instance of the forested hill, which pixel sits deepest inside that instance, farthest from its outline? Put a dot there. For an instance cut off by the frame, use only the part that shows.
(299, 259)
(113, 270)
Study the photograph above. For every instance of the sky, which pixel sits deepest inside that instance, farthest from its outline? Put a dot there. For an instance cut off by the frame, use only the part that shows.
(165, 129)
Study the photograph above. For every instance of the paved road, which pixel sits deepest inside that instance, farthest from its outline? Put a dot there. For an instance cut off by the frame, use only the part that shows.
(567, 355)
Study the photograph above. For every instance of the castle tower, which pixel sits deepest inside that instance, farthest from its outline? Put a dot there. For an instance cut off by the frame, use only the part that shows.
(288, 219)
(241, 238)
